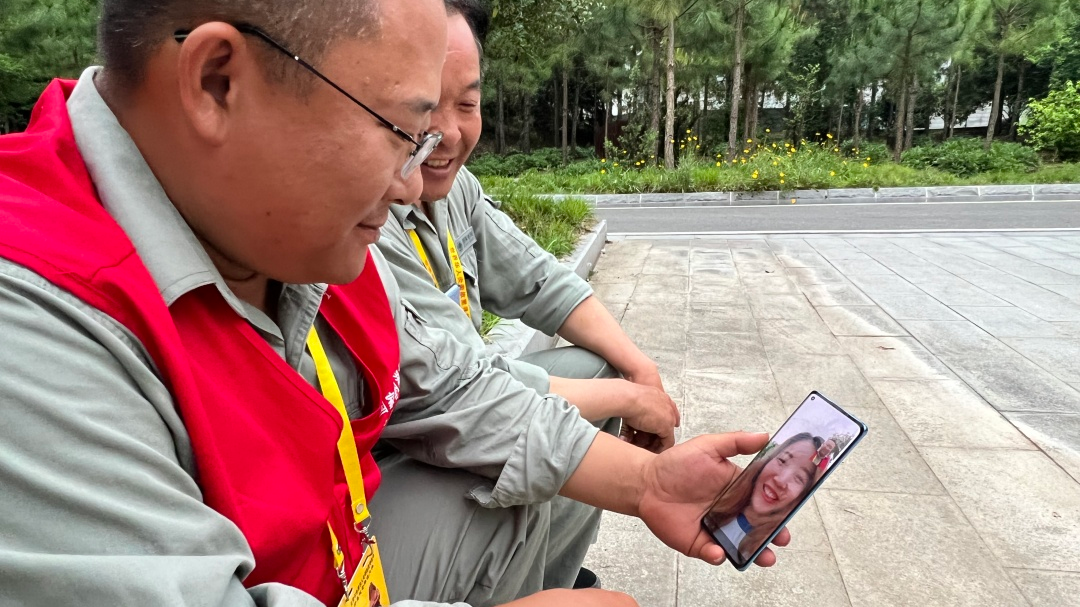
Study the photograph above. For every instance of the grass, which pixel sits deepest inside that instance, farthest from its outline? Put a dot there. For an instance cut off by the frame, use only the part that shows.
(769, 165)
(555, 225)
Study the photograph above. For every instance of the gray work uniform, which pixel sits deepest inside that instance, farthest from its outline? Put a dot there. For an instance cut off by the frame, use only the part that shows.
(100, 500)
(507, 274)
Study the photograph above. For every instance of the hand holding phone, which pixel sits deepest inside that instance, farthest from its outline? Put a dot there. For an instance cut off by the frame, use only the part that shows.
(760, 501)
(683, 481)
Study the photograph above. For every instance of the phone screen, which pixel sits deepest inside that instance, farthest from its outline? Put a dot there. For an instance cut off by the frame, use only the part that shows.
(757, 503)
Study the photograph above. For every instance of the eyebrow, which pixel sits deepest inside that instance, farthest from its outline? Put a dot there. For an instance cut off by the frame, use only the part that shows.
(475, 86)
(420, 105)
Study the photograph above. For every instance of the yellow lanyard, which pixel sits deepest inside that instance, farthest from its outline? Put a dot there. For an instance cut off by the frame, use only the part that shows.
(455, 263)
(367, 586)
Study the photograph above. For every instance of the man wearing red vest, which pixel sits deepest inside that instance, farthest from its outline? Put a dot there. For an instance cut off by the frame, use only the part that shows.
(188, 409)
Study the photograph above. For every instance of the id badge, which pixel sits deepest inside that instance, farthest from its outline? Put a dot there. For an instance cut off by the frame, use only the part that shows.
(454, 293)
(367, 587)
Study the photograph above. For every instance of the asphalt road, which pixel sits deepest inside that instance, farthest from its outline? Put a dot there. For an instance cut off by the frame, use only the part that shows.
(843, 217)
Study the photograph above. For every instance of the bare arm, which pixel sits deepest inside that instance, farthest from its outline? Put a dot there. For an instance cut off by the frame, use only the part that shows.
(592, 327)
(644, 408)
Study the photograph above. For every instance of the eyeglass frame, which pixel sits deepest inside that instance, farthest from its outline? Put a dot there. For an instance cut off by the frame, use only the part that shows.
(422, 149)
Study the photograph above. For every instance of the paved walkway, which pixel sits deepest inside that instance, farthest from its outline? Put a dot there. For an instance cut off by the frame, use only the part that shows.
(962, 353)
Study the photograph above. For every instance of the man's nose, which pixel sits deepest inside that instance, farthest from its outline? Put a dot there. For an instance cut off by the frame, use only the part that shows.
(406, 190)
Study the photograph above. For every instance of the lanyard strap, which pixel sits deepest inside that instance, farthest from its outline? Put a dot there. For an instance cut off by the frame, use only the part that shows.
(455, 263)
(350, 459)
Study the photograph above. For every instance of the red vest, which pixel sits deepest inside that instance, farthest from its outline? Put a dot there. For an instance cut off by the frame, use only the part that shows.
(264, 439)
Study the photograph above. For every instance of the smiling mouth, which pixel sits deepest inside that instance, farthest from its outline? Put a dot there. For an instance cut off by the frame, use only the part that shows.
(437, 164)
(769, 493)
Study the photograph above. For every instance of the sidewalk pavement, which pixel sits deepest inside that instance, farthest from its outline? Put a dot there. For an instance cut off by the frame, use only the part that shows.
(962, 354)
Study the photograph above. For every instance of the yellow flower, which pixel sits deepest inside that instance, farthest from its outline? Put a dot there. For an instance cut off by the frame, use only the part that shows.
(866, 165)
(672, 141)
(754, 175)
(774, 145)
(781, 181)
(749, 141)
(817, 134)
(829, 135)
(743, 160)
(781, 175)
(768, 130)
(746, 151)
(832, 173)
(688, 131)
(682, 147)
(697, 147)
(653, 157)
(719, 163)
(775, 163)
(603, 160)
(603, 171)
(616, 164)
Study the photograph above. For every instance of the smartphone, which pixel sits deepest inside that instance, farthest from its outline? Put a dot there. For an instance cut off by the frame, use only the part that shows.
(760, 501)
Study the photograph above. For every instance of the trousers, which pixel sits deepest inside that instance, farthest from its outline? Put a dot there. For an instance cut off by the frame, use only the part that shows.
(439, 544)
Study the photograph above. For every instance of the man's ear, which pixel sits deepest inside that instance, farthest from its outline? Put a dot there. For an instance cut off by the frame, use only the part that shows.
(210, 65)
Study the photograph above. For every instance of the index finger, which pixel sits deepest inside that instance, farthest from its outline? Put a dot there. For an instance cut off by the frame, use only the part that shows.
(731, 444)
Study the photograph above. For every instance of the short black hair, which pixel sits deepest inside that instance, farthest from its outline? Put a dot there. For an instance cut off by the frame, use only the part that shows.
(130, 31)
(476, 14)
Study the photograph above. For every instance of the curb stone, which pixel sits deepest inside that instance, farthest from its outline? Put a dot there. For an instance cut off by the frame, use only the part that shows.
(513, 338)
(964, 193)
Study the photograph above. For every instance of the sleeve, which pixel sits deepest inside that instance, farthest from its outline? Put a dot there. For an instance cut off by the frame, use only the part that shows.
(99, 505)
(518, 278)
(416, 288)
(458, 411)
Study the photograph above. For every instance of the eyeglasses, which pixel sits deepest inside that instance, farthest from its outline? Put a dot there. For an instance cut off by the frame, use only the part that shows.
(422, 149)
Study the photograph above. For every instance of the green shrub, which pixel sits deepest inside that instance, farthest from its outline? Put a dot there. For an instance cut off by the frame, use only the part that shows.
(517, 163)
(1054, 122)
(554, 224)
(966, 157)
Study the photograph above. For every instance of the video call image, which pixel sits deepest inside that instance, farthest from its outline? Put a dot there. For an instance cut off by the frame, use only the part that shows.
(780, 477)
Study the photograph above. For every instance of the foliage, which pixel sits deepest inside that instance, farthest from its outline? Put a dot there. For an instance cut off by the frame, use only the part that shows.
(554, 224)
(808, 166)
(40, 40)
(516, 163)
(966, 157)
(1054, 122)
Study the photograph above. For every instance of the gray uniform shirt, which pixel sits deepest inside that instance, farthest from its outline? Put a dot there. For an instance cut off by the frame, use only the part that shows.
(100, 499)
(506, 272)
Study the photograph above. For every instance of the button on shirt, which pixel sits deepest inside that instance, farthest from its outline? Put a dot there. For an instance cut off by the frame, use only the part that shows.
(100, 499)
(506, 272)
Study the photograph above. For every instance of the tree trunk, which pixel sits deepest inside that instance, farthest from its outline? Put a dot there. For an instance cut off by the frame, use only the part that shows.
(955, 103)
(526, 124)
(857, 126)
(704, 112)
(872, 118)
(565, 114)
(500, 122)
(748, 99)
(669, 122)
(1014, 109)
(736, 79)
(898, 122)
(913, 98)
(759, 100)
(607, 117)
(840, 124)
(656, 40)
(555, 114)
(575, 115)
(995, 108)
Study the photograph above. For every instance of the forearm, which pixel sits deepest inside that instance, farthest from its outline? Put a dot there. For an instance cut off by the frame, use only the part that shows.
(592, 327)
(611, 476)
(597, 399)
